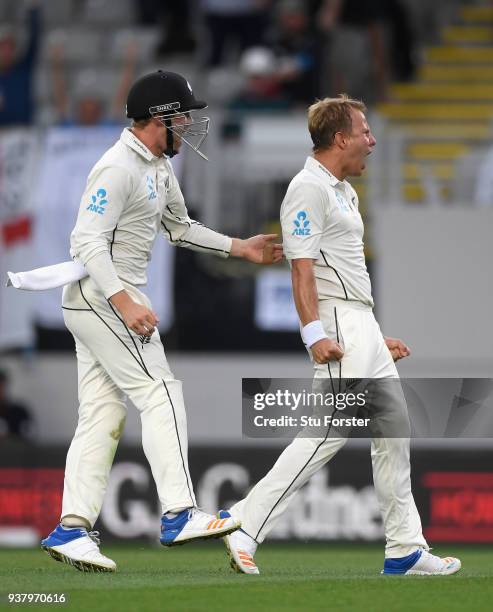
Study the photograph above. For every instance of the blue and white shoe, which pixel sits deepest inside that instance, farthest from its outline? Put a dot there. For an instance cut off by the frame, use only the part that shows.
(193, 524)
(79, 548)
(422, 563)
(241, 549)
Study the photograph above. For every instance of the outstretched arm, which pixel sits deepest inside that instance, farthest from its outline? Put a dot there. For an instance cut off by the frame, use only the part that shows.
(259, 249)
(182, 231)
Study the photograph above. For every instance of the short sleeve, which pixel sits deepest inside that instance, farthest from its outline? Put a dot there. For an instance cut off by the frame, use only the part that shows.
(303, 215)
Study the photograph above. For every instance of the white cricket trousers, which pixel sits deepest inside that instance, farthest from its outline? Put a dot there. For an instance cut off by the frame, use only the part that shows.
(114, 363)
(365, 356)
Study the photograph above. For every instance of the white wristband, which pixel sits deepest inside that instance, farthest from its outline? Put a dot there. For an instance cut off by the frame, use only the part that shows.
(313, 332)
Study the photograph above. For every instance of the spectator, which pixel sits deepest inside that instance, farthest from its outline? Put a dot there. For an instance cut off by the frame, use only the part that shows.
(401, 40)
(357, 55)
(89, 103)
(242, 22)
(15, 420)
(298, 48)
(16, 106)
(175, 22)
(263, 90)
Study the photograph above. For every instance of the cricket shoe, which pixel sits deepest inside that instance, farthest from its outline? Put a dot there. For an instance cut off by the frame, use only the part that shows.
(422, 563)
(241, 549)
(79, 548)
(193, 524)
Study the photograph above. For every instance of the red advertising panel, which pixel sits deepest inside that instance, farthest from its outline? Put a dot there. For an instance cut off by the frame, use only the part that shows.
(461, 506)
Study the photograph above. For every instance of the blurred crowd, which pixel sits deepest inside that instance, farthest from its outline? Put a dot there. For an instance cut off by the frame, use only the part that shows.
(280, 53)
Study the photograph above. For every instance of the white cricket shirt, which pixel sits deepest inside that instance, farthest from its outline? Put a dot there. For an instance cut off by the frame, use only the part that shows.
(130, 196)
(320, 220)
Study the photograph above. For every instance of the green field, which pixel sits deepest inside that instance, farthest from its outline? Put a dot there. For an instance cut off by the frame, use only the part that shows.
(301, 577)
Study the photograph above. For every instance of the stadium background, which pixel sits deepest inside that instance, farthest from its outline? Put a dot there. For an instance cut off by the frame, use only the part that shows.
(425, 70)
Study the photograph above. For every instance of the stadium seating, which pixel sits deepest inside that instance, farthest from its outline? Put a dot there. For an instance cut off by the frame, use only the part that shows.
(448, 110)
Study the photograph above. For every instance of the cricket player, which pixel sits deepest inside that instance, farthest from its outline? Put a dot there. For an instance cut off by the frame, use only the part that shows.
(323, 241)
(131, 196)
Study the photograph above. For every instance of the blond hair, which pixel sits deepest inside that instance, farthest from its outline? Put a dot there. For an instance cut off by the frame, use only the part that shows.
(140, 124)
(331, 115)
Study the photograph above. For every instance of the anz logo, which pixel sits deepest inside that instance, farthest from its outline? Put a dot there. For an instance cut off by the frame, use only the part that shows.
(98, 202)
(301, 224)
(150, 186)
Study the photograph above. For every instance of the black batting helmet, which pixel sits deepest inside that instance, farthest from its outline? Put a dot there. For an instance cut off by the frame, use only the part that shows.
(164, 95)
(159, 93)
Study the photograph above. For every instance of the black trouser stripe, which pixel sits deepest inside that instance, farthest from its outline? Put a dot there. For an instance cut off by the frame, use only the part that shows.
(77, 309)
(132, 339)
(112, 331)
(337, 273)
(143, 366)
(168, 393)
(314, 452)
(179, 444)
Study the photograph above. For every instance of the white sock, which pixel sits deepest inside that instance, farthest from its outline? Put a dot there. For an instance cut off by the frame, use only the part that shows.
(74, 522)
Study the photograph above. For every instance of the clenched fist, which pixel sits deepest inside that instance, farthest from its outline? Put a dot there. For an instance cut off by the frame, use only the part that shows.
(397, 348)
(326, 350)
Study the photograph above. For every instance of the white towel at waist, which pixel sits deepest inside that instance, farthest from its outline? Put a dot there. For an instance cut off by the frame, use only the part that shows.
(48, 277)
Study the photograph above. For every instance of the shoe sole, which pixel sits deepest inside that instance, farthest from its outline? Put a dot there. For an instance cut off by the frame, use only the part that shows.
(232, 561)
(82, 566)
(213, 536)
(418, 573)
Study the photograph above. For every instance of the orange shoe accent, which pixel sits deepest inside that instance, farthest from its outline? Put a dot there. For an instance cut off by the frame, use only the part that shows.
(246, 559)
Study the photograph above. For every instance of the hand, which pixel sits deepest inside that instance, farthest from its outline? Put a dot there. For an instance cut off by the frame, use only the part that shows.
(326, 350)
(138, 318)
(397, 348)
(259, 249)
